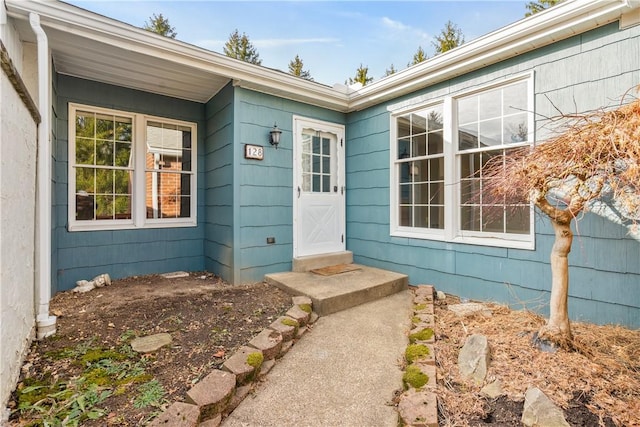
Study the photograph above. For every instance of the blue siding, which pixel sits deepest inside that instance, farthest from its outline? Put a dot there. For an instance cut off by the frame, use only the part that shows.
(219, 184)
(83, 255)
(264, 189)
(588, 71)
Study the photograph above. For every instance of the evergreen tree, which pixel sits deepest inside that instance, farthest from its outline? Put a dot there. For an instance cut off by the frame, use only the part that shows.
(160, 25)
(418, 57)
(450, 37)
(534, 7)
(390, 70)
(296, 67)
(239, 47)
(361, 76)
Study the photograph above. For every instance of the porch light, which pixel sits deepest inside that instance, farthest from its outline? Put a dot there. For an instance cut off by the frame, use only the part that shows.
(274, 136)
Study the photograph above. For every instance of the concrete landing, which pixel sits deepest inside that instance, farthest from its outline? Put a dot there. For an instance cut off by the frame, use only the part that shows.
(338, 292)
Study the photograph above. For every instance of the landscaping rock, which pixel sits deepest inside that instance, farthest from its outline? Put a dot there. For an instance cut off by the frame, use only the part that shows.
(213, 422)
(150, 343)
(238, 397)
(540, 411)
(419, 409)
(267, 365)
(175, 275)
(237, 364)
(423, 293)
(301, 300)
(286, 346)
(493, 390)
(474, 357)
(287, 326)
(301, 332)
(313, 318)
(269, 342)
(468, 308)
(213, 393)
(441, 295)
(298, 314)
(179, 414)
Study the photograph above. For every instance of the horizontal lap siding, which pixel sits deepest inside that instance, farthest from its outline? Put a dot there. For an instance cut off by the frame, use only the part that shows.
(264, 204)
(121, 253)
(586, 72)
(219, 196)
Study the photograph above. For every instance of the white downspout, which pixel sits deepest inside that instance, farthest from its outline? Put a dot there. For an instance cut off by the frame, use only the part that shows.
(45, 324)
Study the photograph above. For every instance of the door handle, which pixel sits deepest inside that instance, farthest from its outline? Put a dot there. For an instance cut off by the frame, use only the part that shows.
(298, 192)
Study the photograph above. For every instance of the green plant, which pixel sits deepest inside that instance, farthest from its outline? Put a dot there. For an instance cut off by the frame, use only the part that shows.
(255, 359)
(128, 335)
(414, 377)
(415, 352)
(305, 307)
(422, 335)
(151, 394)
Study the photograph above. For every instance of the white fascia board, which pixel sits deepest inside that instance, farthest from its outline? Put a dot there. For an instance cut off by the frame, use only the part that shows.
(82, 23)
(562, 21)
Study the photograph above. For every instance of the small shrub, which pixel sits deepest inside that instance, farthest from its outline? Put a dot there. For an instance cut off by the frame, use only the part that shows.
(255, 359)
(305, 307)
(151, 394)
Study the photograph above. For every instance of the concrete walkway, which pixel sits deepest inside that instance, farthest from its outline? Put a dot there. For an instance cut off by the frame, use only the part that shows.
(341, 373)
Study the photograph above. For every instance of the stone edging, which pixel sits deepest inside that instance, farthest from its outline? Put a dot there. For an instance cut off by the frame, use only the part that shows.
(417, 405)
(219, 393)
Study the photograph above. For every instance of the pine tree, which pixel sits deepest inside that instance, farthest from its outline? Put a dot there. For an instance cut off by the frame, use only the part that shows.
(239, 47)
(390, 70)
(418, 57)
(361, 76)
(296, 67)
(450, 37)
(160, 25)
(534, 7)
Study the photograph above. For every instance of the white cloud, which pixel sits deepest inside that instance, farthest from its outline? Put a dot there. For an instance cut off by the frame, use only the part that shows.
(402, 30)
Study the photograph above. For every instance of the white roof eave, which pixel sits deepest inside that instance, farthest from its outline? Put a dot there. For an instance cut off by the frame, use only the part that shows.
(560, 22)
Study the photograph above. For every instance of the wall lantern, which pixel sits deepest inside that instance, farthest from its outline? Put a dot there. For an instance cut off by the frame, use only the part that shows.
(274, 136)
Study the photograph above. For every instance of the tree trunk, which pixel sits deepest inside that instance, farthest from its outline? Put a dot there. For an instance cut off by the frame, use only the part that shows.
(558, 330)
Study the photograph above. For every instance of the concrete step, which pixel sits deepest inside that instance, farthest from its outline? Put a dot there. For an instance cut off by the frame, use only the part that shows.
(337, 292)
(307, 263)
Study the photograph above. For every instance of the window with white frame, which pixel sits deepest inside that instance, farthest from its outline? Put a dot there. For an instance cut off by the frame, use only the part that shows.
(438, 151)
(129, 170)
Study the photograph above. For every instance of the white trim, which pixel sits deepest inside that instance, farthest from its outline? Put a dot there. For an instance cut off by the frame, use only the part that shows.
(452, 231)
(138, 195)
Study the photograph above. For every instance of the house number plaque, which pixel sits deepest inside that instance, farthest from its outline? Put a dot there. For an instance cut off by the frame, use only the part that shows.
(255, 152)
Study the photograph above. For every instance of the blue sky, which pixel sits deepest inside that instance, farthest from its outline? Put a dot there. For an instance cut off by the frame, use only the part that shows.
(331, 38)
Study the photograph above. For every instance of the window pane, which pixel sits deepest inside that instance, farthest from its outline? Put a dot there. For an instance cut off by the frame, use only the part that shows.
(469, 191)
(85, 125)
(436, 193)
(316, 164)
(123, 207)
(470, 218)
(306, 163)
(306, 143)
(85, 151)
(518, 219)
(515, 98)
(419, 170)
(85, 180)
(418, 123)
(493, 219)
(104, 181)
(436, 169)
(104, 153)
(84, 206)
(468, 137)
(326, 165)
(403, 126)
(435, 118)
(490, 104)
(104, 127)
(306, 182)
(124, 129)
(419, 145)
(470, 165)
(104, 206)
(421, 216)
(123, 154)
(406, 194)
(467, 110)
(436, 145)
(122, 182)
(316, 184)
(185, 207)
(421, 194)
(316, 145)
(406, 217)
(326, 146)
(403, 148)
(491, 133)
(515, 129)
(436, 217)
(326, 184)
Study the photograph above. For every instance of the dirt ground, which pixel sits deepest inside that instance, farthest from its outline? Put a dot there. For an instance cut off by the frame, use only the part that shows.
(207, 319)
(88, 375)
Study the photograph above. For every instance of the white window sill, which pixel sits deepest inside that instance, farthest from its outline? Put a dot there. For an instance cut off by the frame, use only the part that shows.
(525, 242)
(112, 226)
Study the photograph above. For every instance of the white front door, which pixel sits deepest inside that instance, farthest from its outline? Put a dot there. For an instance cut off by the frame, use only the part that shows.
(318, 188)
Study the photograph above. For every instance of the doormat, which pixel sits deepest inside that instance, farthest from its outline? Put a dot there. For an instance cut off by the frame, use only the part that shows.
(335, 269)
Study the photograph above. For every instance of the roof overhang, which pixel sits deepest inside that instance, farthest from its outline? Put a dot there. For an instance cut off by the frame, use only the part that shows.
(91, 46)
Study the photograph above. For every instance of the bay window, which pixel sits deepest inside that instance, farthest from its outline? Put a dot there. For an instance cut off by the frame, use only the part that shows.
(438, 150)
(129, 170)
